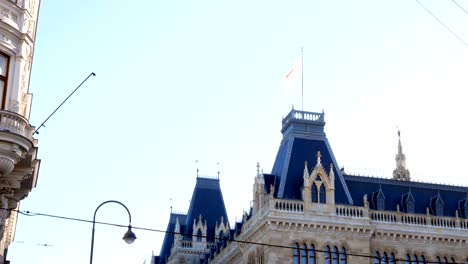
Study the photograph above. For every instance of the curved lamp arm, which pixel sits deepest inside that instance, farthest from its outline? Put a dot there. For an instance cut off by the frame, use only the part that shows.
(129, 236)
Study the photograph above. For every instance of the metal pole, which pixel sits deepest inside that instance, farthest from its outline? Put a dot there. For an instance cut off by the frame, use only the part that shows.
(94, 223)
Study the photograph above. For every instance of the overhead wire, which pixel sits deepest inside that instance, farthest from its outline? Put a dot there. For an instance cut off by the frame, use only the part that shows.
(442, 23)
(466, 12)
(29, 213)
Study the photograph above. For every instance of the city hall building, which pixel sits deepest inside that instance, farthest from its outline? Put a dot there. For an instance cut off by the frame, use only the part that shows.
(307, 210)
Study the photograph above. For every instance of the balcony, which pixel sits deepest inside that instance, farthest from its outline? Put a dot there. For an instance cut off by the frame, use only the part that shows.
(18, 157)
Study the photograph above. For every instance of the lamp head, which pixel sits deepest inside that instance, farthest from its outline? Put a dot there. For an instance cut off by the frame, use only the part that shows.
(129, 237)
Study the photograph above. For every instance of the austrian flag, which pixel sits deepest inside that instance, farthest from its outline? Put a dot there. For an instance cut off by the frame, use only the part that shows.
(295, 71)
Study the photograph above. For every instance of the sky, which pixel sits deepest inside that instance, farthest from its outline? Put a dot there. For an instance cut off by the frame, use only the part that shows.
(184, 81)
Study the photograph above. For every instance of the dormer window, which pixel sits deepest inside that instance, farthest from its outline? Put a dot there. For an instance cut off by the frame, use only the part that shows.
(379, 200)
(199, 235)
(408, 203)
(437, 205)
(4, 62)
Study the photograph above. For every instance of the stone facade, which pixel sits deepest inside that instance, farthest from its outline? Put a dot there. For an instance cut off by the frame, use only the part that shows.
(308, 211)
(19, 165)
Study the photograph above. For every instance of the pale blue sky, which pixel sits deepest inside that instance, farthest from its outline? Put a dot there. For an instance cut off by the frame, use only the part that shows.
(179, 81)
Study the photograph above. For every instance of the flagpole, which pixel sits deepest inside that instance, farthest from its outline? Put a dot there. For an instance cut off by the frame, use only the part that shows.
(302, 77)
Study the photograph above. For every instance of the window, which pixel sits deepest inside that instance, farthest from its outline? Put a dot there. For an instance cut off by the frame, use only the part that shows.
(343, 256)
(4, 62)
(414, 260)
(327, 259)
(335, 255)
(199, 235)
(422, 259)
(377, 258)
(452, 260)
(410, 207)
(323, 197)
(408, 259)
(312, 258)
(392, 258)
(221, 235)
(384, 258)
(314, 193)
(438, 260)
(296, 254)
(303, 254)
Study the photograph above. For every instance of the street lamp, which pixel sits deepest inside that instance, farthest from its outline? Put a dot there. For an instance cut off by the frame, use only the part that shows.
(128, 237)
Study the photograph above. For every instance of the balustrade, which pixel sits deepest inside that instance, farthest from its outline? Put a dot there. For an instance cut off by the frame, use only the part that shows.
(15, 123)
(289, 206)
(352, 211)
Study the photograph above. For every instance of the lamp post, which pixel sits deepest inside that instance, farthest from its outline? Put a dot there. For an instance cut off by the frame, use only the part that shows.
(128, 237)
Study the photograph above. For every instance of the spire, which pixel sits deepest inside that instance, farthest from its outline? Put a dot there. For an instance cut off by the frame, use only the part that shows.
(401, 172)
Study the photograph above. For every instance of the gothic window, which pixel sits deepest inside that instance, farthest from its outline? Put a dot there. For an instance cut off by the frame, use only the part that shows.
(303, 254)
(392, 259)
(408, 259)
(323, 197)
(199, 235)
(314, 193)
(414, 260)
(445, 261)
(312, 258)
(335, 255)
(379, 199)
(343, 256)
(384, 258)
(4, 62)
(437, 205)
(296, 253)
(422, 259)
(452, 260)
(438, 260)
(377, 258)
(327, 254)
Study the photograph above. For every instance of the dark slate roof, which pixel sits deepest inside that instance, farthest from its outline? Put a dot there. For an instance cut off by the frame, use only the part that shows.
(395, 190)
(303, 136)
(207, 201)
(271, 179)
(169, 237)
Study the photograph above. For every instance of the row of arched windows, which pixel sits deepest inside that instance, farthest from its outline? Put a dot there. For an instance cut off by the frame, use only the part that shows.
(415, 260)
(304, 254)
(384, 258)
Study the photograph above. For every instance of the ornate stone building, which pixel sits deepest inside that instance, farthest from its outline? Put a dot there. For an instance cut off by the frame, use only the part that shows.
(308, 211)
(19, 165)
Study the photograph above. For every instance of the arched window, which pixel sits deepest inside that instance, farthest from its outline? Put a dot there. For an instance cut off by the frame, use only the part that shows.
(199, 235)
(296, 254)
(422, 259)
(377, 258)
(303, 254)
(335, 255)
(452, 260)
(323, 197)
(314, 193)
(327, 255)
(312, 258)
(343, 256)
(384, 258)
(408, 259)
(392, 259)
(414, 260)
(438, 260)
(445, 260)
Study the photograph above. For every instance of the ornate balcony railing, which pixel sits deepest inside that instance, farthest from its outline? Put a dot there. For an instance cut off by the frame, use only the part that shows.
(15, 123)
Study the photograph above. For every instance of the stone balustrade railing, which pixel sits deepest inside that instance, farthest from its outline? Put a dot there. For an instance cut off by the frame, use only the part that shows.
(186, 244)
(288, 205)
(350, 211)
(302, 115)
(15, 123)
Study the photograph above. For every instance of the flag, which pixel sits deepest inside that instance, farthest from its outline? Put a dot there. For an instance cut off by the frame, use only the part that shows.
(294, 74)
